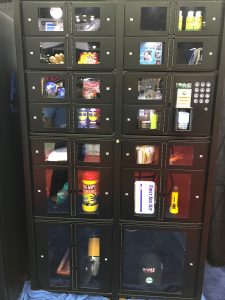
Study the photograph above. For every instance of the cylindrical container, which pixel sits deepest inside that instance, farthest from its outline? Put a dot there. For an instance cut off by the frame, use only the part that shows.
(180, 21)
(198, 21)
(82, 118)
(94, 254)
(153, 120)
(90, 187)
(93, 116)
(190, 21)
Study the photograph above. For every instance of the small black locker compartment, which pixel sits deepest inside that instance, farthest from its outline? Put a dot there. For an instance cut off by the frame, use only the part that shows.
(145, 88)
(144, 18)
(79, 252)
(49, 117)
(93, 53)
(165, 262)
(198, 18)
(48, 87)
(145, 53)
(93, 152)
(46, 53)
(50, 151)
(90, 87)
(144, 120)
(93, 19)
(192, 104)
(94, 119)
(195, 53)
(45, 18)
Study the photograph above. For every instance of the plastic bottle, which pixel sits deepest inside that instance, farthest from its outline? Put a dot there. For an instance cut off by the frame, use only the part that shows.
(190, 21)
(180, 21)
(198, 21)
(153, 120)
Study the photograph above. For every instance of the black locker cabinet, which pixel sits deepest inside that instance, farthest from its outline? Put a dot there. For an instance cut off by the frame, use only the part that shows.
(120, 106)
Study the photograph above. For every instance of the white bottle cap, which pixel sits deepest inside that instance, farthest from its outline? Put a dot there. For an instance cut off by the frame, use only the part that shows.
(198, 13)
(180, 13)
(190, 13)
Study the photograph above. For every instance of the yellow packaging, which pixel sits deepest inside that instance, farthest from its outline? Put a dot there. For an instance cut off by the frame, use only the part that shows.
(190, 21)
(174, 203)
(198, 21)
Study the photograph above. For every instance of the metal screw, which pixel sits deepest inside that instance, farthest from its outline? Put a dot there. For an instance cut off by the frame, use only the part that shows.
(214, 18)
(107, 119)
(127, 154)
(106, 193)
(29, 19)
(205, 108)
(107, 52)
(108, 19)
(130, 53)
(117, 141)
(191, 264)
(39, 191)
(128, 119)
(129, 89)
(131, 19)
(107, 153)
(210, 53)
(37, 151)
(106, 259)
(31, 52)
(33, 87)
(107, 88)
(126, 194)
(34, 117)
(42, 256)
(197, 197)
(201, 156)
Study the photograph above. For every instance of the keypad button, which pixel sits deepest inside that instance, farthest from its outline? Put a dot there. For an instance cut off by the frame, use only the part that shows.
(201, 95)
(206, 101)
(203, 84)
(207, 95)
(202, 90)
(208, 84)
(196, 90)
(195, 100)
(208, 90)
(196, 95)
(201, 101)
(197, 84)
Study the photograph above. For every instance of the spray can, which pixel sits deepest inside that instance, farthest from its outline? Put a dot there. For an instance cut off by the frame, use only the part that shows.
(190, 21)
(90, 187)
(82, 118)
(198, 21)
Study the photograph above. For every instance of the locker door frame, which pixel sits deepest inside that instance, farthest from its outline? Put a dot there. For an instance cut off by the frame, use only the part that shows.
(34, 94)
(196, 197)
(38, 152)
(212, 45)
(191, 260)
(133, 12)
(105, 252)
(129, 91)
(32, 53)
(107, 59)
(214, 9)
(132, 49)
(30, 11)
(43, 272)
(107, 81)
(36, 115)
(106, 193)
(107, 25)
(106, 152)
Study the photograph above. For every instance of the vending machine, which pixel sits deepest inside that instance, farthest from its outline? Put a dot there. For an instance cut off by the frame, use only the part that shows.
(120, 105)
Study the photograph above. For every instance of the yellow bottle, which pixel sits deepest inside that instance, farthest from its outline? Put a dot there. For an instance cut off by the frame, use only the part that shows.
(174, 209)
(180, 21)
(198, 21)
(190, 21)
(153, 120)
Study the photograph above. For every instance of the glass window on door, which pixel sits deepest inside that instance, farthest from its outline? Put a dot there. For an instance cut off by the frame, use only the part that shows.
(54, 117)
(87, 53)
(52, 53)
(89, 254)
(178, 196)
(151, 53)
(53, 87)
(87, 19)
(150, 88)
(148, 119)
(191, 19)
(56, 152)
(155, 263)
(88, 153)
(190, 53)
(153, 18)
(147, 154)
(88, 88)
(59, 255)
(181, 155)
(50, 19)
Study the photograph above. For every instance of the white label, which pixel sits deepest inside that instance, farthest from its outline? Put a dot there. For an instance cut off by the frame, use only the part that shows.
(183, 98)
(144, 197)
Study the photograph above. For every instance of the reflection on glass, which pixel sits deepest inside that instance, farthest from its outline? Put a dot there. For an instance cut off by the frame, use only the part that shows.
(87, 53)
(150, 88)
(155, 263)
(153, 18)
(50, 19)
(57, 190)
(53, 87)
(59, 255)
(181, 155)
(52, 52)
(147, 155)
(151, 53)
(88, 118)
(89, 252)
(55, 151)
(191, 19)
(54, 117)
(88, 88)
(148, 119)
(87, 18)
(145, 192)
(88, 153)
(88, 191)
(190, 53)
(178, 191)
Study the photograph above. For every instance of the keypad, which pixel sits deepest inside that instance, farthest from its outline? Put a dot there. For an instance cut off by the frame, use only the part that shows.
(202, 92)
